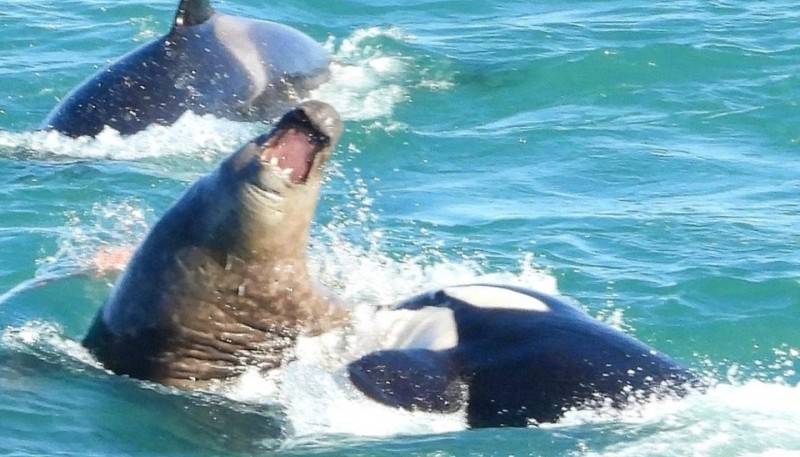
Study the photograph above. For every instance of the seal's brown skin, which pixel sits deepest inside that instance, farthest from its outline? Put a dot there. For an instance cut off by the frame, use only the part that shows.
(221, 283)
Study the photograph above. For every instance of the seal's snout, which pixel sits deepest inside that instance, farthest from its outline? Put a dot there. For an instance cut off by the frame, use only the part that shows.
(323, 117)
(319, 119)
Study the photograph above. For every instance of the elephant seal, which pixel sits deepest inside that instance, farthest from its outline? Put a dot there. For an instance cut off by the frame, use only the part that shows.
(511, 356)
(208, 63)
(220, 282)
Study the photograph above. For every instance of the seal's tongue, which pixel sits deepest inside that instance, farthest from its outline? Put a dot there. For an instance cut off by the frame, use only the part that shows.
(293, 150)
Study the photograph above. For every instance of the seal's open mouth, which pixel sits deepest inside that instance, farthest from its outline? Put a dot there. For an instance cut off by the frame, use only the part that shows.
(297, 147)
(293, 145)
(293, 151)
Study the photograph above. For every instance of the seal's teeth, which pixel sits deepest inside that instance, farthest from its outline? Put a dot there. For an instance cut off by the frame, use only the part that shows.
(273, 162)
(287, 172)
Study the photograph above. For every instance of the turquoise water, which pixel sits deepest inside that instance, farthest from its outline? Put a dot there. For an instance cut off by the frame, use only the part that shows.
(640, 159)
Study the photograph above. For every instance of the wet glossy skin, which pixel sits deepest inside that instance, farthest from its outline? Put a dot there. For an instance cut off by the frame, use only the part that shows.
(209, 63)
(220, 283)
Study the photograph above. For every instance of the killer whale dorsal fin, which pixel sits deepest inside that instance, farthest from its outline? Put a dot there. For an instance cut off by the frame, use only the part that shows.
(192, 12)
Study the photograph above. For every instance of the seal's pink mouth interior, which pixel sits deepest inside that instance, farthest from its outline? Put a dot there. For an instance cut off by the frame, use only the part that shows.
(293, 150)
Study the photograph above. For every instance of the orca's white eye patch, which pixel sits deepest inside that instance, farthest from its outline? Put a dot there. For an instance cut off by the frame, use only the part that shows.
(482, 296)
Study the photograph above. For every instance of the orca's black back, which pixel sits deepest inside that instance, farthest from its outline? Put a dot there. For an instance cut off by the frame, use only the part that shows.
(525, 366)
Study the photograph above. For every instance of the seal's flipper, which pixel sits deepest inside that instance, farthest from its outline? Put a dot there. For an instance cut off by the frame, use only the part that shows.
(192, 12)
(413, 379)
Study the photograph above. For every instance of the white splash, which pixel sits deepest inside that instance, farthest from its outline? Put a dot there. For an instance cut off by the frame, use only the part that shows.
(202, 137)
(99, 241)
(755, 418)
(96, 243)
(366, 82)
(315, 391)
(45, 339)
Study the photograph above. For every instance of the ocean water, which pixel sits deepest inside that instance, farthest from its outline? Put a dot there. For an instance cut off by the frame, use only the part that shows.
(639, 158)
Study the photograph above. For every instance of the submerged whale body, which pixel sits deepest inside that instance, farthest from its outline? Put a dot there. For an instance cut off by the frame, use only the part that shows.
(510, 356)
(208, 63)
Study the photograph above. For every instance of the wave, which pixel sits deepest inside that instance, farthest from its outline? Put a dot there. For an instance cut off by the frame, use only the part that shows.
(752, 417)
(755, 418)
(746, 411)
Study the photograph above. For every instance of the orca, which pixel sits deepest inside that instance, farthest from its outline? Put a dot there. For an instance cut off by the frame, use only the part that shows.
(208, 63)
(510, 356)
